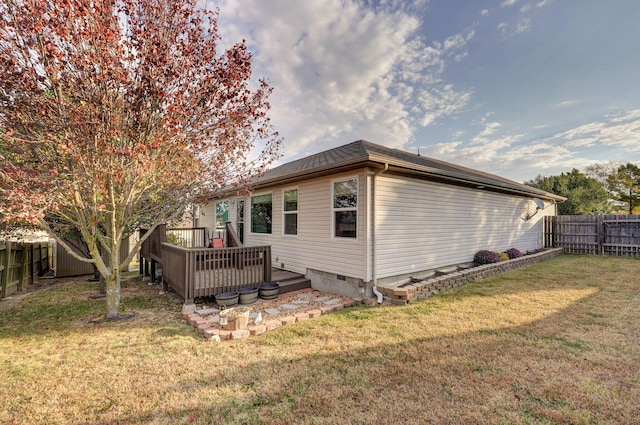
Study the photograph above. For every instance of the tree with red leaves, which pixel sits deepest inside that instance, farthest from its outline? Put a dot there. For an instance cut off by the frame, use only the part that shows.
(116, 115)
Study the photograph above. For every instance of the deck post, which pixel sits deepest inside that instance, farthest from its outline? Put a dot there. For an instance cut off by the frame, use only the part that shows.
(267, 264)
(153, 270)
(189, 306)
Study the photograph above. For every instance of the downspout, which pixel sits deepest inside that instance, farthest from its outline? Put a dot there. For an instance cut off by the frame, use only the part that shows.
(374, 244)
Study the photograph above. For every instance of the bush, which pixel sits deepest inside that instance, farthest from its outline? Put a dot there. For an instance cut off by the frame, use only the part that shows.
(514, 253)
(503, 256)
(486, 257)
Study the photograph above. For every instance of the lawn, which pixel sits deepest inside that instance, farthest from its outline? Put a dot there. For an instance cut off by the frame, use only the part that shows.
(556, 342)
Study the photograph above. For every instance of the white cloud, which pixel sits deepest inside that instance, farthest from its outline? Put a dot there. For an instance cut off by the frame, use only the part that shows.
(543, 3)
(496, 149)
(524, 25)
(343, 71)
(507, 3)
(620, 131)
(484, 12)
(523, 22)
(489, 129)
(566, 103)
(525, 8)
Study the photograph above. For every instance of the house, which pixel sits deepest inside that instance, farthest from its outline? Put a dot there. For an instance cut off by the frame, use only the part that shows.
(363, 215)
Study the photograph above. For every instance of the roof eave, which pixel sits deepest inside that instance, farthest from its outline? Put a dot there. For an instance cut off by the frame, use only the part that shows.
(401, 167)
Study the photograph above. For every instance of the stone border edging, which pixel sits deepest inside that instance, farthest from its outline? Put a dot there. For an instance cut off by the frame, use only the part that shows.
(421, 290)
(398, 295)
(213, 333)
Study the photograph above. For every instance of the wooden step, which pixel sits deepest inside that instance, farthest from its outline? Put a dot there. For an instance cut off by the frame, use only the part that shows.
(293, 284)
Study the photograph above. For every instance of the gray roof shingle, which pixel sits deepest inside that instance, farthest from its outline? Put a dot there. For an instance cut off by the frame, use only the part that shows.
(362, 153)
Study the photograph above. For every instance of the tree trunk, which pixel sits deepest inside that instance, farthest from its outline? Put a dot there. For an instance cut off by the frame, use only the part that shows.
(112, 284)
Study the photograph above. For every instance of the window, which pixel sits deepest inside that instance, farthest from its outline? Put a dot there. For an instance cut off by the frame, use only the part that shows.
(261, 213)
(240, 219)
(290, 210)
(345, 208)
(222, 215)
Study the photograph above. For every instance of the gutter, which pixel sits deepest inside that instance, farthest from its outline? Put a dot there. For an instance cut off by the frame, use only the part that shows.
(374, 244)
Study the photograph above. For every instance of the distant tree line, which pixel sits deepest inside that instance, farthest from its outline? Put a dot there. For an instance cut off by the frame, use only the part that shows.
(603, 188)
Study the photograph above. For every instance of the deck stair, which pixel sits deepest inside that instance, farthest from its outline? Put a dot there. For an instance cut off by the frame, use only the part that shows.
(289, 281)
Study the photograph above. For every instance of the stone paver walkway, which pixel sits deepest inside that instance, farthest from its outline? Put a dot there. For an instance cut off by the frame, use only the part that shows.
(300, 305)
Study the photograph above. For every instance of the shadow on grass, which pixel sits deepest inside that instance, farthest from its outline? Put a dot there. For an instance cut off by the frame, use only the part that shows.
(68, 307)
(577, 364)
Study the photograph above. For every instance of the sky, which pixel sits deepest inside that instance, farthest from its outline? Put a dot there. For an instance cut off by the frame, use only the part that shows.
(518, 88)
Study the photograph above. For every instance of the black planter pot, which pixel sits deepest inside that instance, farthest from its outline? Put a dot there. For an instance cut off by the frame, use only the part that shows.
(227, 299)
(269, 290)
(248, 295)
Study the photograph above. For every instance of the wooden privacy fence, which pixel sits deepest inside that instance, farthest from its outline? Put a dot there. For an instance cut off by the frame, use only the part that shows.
(21, 264)
(617, 235)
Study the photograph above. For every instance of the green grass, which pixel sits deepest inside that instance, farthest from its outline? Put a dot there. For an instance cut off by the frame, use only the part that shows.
(553, 343)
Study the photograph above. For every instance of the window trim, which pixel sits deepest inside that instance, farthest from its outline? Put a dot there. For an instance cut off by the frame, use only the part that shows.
(285, 213)
(334, 210)
(251, 213)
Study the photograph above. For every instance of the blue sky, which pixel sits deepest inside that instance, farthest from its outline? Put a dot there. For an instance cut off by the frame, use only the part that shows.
(512, 87)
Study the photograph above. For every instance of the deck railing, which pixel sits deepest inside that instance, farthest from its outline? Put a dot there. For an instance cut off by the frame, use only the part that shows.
(202, 272)
(194, 271)
(192, 237)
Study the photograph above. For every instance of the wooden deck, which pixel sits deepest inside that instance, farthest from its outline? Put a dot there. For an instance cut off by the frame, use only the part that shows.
(197, 272)
(288, 281)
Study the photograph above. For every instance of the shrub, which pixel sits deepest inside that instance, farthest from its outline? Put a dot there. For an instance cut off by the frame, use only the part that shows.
(514, 253)
(486, 257)
(503, 256)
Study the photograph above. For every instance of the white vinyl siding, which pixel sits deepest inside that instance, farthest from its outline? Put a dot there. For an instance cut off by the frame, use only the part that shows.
(423, 225)
(313, 247)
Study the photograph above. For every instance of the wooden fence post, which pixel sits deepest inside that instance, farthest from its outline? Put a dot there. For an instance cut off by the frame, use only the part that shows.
(20, 251)
(5, 270)
(600, 229)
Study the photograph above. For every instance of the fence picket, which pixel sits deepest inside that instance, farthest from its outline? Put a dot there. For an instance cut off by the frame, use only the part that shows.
(19, 267)
(617, 235)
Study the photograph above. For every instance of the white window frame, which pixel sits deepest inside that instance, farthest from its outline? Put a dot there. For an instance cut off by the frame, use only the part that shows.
(334, 210)
(251, 213)
(285, 212)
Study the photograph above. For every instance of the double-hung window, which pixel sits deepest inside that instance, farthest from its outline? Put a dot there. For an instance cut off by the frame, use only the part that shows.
(345, 208)
(290, 211)
(222, 215)
(261, 213)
